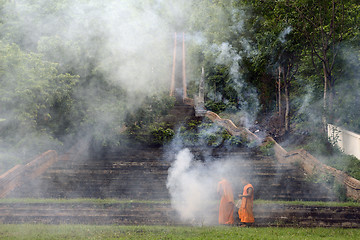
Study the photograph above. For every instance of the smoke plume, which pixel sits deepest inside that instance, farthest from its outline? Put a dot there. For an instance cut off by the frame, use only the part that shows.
(192, 185)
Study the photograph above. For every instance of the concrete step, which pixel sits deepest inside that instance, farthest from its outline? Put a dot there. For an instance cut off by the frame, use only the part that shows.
(142, 173)
(276, 215)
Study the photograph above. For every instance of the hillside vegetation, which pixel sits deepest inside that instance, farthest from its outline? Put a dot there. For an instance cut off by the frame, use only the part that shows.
(100, 70)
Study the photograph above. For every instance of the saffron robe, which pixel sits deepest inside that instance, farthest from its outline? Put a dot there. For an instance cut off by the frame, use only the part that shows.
(226, 208)
(246, 209)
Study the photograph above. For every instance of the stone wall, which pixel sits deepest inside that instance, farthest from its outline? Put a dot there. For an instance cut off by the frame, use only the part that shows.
(348, 141)
(231, 127)
(22, 173)
(313, 166)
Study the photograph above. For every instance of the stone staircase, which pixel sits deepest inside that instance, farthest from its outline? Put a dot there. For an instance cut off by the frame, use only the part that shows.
(128, 173)
(142, 173)
(180, 114)
(138, 213)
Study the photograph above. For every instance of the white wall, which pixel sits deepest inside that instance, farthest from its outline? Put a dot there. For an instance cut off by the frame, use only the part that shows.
(348, 141)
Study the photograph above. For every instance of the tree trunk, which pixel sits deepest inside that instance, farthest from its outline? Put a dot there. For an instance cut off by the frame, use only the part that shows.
(286, 78)
(279, 90)
(287, 107)
(330, 101)
(324, 118)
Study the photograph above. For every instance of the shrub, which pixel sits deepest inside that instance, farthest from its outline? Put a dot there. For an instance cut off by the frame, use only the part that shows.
(160, 135)
(267, 149)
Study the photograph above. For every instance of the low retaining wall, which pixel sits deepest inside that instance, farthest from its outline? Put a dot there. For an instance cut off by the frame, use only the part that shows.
(10, 180)
(312, 165)
(348, 141)
(309, 163)
(22, 173)
(231, 127)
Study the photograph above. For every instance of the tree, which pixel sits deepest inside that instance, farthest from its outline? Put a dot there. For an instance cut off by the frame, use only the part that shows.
(279, 51)
(35, 102)
(224, 46)
(325, 25)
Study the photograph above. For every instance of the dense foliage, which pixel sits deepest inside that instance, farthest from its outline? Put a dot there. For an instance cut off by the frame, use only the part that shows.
(70, 70)
(301, 56)
(206, 133)
(146, 124)
(91, 69)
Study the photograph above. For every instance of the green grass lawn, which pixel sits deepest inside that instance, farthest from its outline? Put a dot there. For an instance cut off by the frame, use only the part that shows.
(40, 231)
(129, 201)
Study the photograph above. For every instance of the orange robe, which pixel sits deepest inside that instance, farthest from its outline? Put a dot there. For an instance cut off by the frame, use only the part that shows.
(246, 209)
(226, 208)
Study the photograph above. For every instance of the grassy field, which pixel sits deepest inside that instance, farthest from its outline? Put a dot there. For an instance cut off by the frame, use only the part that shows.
(127, 201)
(39, 231)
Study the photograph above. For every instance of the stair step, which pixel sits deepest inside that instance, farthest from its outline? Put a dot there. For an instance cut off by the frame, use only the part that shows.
(117, 172)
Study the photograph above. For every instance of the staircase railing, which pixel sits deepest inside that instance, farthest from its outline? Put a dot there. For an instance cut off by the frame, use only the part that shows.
(22, 173)
(313, 166)
(231, 127)
(309, 163)
(173, 92)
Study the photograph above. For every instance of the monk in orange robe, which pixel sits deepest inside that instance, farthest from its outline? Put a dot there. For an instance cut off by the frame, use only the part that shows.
(246, 208)
(226, 208)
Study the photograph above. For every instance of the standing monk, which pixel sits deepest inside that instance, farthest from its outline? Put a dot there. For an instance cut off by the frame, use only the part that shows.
(226, 208)
(246, 209)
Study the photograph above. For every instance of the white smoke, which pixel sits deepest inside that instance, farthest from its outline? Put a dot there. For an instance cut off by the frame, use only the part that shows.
(192, 186)
(284, 33)
(190, 192)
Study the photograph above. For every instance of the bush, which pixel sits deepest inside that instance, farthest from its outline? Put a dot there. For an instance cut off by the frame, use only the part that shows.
(216, 107)
(318, 145)
(143, 124)
(208, 133)
(346, 163)
(160, 135)
(340, 192)
(267, 149)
